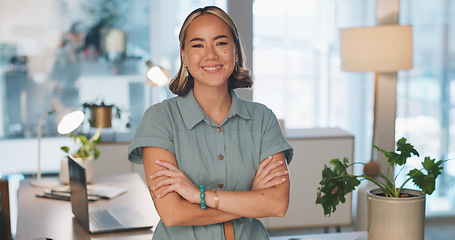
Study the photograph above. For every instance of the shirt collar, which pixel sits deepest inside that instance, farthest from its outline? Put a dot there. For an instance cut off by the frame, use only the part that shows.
(192, 113)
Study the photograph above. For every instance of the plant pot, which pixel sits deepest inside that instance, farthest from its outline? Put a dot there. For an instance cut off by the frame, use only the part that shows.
(396, 218)
(100, 116)
(88, 164)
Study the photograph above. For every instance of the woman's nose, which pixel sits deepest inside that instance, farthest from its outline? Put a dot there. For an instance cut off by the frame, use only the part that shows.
(211, 53)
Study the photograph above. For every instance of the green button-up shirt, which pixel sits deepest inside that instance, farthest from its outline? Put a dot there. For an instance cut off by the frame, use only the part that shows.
(222, 156)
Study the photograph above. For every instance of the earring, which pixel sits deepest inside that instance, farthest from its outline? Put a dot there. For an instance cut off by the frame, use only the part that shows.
(236, 68)
(186, 71)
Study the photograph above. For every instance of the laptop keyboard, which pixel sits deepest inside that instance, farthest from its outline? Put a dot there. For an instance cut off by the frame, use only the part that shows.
(104, 219)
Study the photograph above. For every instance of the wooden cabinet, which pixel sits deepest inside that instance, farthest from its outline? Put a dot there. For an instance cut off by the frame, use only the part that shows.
(312, 149)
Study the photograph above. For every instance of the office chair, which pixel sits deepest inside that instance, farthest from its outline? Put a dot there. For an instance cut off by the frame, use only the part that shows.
(5, 222)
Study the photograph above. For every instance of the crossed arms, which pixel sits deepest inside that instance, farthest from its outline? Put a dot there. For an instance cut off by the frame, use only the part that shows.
(177, 199)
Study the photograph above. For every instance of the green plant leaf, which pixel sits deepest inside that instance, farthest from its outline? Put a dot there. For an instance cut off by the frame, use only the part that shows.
(335, 184)
(96, 152)
(82, 139)
(65, 149)
(394, 158)
(427, 183)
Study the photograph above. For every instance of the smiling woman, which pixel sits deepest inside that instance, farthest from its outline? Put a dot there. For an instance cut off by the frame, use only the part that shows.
(213, 161)
(210, 55)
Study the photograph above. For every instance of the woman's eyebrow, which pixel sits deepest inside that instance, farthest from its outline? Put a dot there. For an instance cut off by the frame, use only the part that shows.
(196, 39)
(202, 39)
(220, 36)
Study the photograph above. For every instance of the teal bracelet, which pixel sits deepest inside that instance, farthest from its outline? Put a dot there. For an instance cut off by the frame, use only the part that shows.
(202, 190)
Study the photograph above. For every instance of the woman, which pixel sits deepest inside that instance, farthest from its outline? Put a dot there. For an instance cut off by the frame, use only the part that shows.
(212, 159)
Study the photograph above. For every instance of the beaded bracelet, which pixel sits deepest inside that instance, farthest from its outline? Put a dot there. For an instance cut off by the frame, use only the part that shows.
(202, 190)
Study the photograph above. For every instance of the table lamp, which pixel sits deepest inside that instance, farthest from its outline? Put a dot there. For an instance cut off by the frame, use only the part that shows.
(379, 49)
(68, 119)
(156, 76)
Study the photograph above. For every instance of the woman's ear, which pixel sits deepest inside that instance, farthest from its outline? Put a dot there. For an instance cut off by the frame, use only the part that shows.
(182, 57)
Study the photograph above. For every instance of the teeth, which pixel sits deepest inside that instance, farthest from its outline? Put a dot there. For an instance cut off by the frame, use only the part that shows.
(212, 68)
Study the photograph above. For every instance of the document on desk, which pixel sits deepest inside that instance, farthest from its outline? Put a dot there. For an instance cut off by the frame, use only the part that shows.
(94, 192)
(101, 191)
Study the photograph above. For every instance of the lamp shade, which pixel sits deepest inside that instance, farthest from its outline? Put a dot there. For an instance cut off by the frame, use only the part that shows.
(68, 119)
(381, 49)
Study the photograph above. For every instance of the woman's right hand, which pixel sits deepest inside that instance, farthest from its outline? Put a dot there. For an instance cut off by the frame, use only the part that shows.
(266, 177)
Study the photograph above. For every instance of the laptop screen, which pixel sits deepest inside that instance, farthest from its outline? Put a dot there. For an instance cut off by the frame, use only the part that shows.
(78, 196)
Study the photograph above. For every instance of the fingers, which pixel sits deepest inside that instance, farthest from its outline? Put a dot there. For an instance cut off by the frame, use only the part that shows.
(167, 165)
(264, 163)
(267, 176)
(172, 179)
(272, 177)
(166, 186)
(267, 169)
(169, 171)
(275, 182)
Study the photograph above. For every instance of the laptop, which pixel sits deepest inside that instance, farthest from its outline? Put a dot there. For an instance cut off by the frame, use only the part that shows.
(100, 220)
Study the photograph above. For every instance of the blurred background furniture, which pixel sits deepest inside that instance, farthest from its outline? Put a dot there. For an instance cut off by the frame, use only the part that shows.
(5, 217)
(313, 147)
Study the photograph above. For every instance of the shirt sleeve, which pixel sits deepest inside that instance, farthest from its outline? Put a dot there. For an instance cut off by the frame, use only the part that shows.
(155, 130)
(273, 140)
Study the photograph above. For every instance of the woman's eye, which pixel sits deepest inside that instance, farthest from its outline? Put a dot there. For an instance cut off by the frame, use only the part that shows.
(221, 43)
(197, 46)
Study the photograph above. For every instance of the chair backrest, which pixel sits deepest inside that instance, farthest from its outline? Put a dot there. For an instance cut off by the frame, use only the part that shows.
(5, 222)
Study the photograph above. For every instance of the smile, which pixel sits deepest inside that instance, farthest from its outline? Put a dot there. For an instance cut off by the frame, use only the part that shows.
(211, 68)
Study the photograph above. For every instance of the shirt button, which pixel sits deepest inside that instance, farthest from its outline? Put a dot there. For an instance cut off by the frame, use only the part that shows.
(218, 129)
(220, 157)
(220, 185)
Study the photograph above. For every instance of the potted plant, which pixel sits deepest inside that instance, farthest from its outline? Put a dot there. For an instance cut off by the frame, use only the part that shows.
(393, 211)
(86, 152)
(101, 114)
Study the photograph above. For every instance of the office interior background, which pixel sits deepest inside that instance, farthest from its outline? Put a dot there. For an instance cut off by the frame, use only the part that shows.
(48, 49)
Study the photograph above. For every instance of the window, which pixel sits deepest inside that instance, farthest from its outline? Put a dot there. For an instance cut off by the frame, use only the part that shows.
(64, 49)
(76, 51)
(425, 94)
(297, 69)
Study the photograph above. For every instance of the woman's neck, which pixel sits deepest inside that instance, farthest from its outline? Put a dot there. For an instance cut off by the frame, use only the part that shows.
(214, 102)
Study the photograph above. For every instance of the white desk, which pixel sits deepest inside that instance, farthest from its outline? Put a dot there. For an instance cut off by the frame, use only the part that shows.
(41, 218)
(327, 236)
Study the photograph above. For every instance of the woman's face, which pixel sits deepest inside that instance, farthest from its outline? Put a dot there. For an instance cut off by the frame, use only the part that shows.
(209, 51)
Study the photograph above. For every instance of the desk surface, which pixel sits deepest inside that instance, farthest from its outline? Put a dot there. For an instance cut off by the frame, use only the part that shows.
(41, 218)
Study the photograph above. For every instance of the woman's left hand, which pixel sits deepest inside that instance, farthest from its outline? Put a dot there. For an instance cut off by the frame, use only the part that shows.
(175, 181)
(266, 177)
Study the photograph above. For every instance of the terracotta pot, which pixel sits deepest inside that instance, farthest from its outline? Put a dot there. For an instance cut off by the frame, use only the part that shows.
(396, 218)
(88, 164)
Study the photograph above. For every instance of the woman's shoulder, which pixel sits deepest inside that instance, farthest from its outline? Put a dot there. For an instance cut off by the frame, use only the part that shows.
(161, 109)
(257, 108)
(163, 106)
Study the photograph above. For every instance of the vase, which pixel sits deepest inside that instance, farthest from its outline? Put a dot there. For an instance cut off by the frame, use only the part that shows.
(396, 218)
(88, 164)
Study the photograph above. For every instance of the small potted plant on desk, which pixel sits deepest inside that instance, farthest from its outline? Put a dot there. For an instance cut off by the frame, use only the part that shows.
(394, 212)
(101, 116)
(84, 155)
